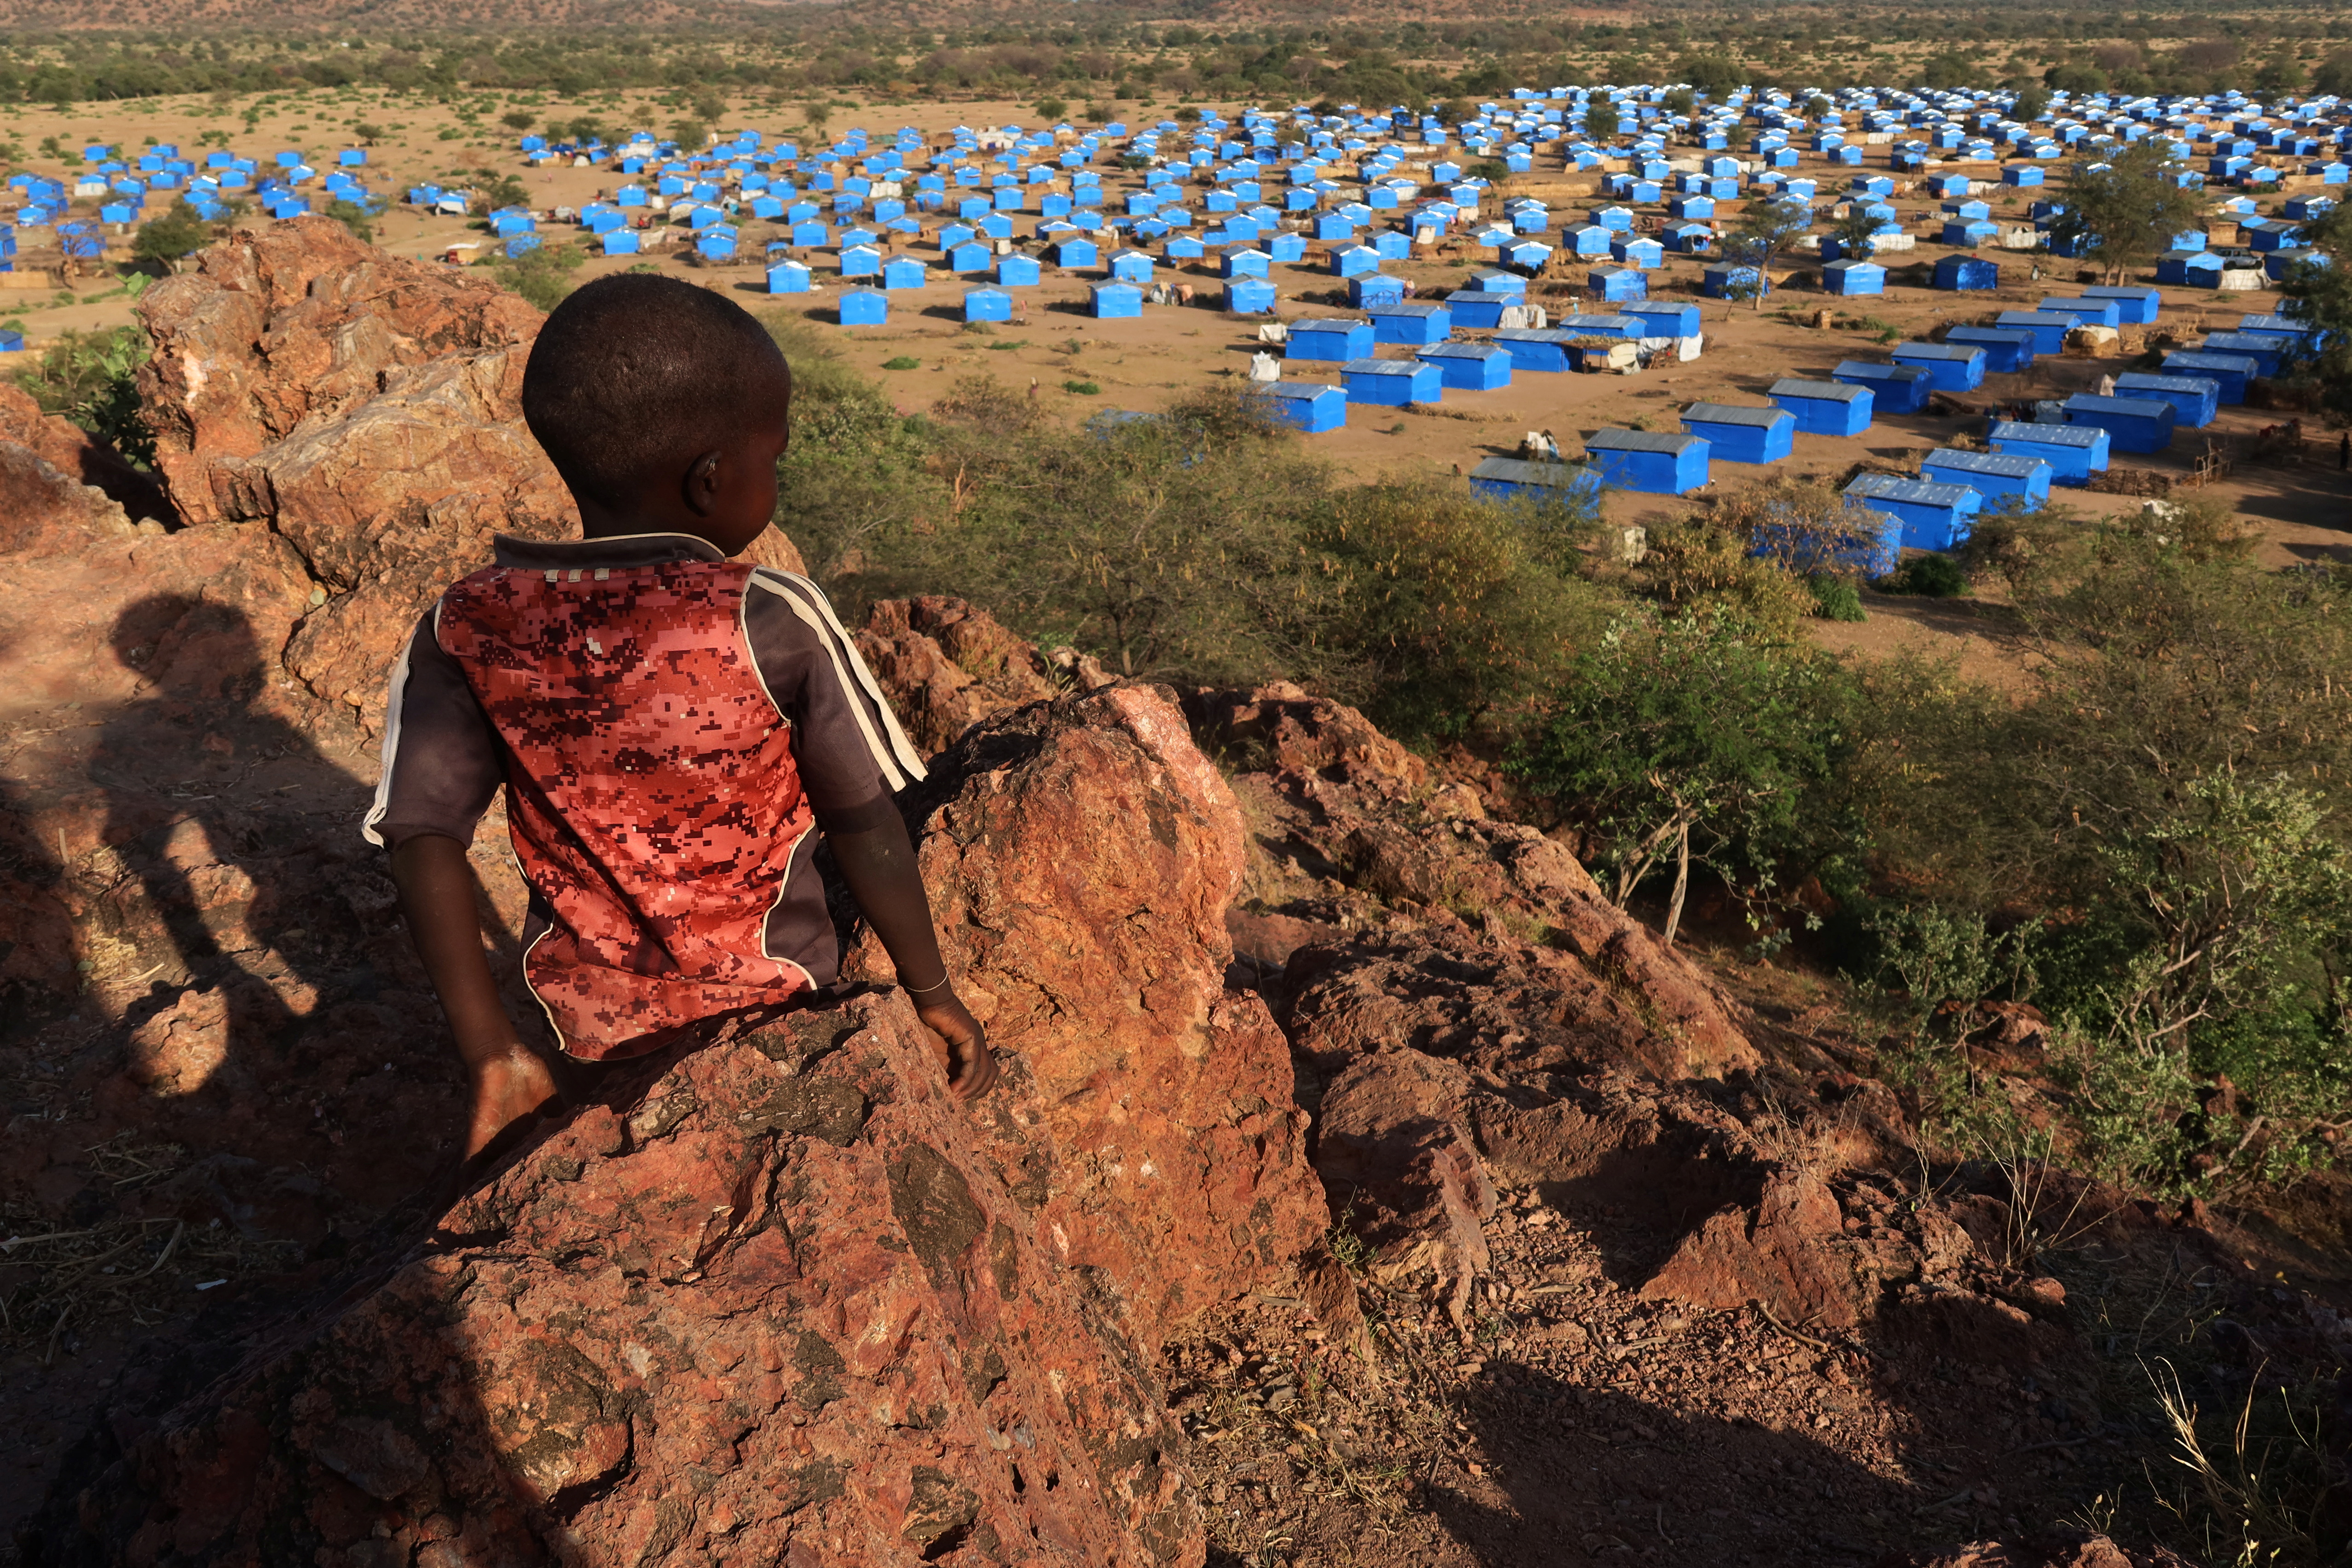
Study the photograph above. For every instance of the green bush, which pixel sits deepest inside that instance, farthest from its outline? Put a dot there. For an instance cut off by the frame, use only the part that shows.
(91, 379)
(1928, 576)
(903, 362)
(1835, 598)
(541, 274)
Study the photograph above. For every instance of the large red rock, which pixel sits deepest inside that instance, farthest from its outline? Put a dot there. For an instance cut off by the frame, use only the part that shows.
(45, 509)
(948, 665)
(74, 453)
(779, 1305)
(782, 1297)
(1080, 873)
(290, 322)
(367, 408)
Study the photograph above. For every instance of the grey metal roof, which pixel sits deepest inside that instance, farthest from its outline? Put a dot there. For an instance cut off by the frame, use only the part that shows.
(1297, 391)
(2241, 343)
(1992, 334)
(2274, 324)
(2116, 291)
(1937, 351)
(2046, 435)
(1610, 323)
(1734, 413)
(1535, 335)
(1328, 324)
(2197, 360)
(2142, 381)
(1824, 391)
(2127, 407)
(2005, 464)
(1919, 492)
(1639, 441)
(1381, 367)
(1463, 351)
(1516, 471)
(1404, 308)
(1879, 372)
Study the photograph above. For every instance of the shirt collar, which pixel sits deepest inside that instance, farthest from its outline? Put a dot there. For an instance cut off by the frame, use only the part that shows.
(619, 551)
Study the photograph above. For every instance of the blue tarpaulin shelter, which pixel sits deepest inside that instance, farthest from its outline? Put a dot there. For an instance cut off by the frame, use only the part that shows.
(2228, 372)
(2133, 425)
(1934, 516)
(1650, 462)
(1392, 382)
(1470, 366)
(1950, 367)
(2075, 452)
(1735, 433)
(1894, 389)
(2007, 349)
(1824, 408)
(1998, 476)
(2195, 399)
(1329, 338)
(1311, 406)
(1513, 479)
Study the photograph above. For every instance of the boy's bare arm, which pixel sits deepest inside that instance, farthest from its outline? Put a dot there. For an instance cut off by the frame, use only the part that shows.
(877, 862)
(504, 1080)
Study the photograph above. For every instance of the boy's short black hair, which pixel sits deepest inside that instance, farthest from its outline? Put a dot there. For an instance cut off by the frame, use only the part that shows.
(634, 375)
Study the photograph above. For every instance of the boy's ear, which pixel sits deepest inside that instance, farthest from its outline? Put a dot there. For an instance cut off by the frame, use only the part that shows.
(703, 482)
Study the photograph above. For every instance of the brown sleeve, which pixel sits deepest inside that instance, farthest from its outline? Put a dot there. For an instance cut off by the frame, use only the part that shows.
(442, 761)
(846, 740)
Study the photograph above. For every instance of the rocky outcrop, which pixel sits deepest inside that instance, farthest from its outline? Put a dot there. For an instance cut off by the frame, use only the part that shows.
(75, 453)
(295, 321)
(366, 407)
(782, 1296)
(776, 1304)
(45, 509)
(949, 665)
(1080, 873)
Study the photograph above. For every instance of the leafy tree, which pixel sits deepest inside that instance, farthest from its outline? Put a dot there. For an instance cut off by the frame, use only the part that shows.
(518, 120)
(2281, 74)
(541, 274)
(180, 231)
(1693, 736)
(2123, 211)
(91, 379)
(1678, 101)
(1764, 231)
(1855, 232)
(495, 191)
(367, 135)
(355, 217)
(2030, 104)
(816, 114)
(1716, 75)
(2334, 74)
(1601, 119)
(1053, 108)
(690, 134)
(2321, 294)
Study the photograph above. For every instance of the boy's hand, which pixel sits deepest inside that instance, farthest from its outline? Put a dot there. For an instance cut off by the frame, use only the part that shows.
(506, 1088)
(964, 1048)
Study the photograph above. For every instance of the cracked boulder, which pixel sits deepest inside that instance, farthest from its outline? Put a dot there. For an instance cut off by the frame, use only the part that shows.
(771, 1301)
(368, 408)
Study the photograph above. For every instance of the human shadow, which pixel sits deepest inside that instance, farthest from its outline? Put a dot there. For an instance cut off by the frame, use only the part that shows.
(272, 1024)
(1640, 1459)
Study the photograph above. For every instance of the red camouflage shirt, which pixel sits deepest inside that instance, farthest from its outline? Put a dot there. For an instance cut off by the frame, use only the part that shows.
(666, 722)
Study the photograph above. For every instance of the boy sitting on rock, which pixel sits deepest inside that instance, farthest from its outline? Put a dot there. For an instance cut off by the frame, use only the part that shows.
(670, 726)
